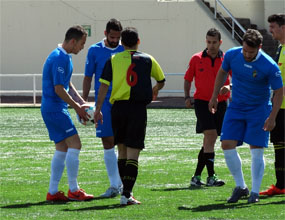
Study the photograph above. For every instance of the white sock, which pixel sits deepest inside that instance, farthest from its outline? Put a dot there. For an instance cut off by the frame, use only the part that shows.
(111, 163)
(234, 164)
(257, 168)
(57, 167)
(72, 165)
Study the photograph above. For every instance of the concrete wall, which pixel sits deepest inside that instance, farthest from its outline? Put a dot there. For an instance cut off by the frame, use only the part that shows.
(170, 31)
(272, 7)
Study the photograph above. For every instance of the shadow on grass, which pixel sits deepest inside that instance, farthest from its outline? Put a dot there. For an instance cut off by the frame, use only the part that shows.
(210, 207)
(29, 204)
(100, 207)
(221, 206)
(181, 188)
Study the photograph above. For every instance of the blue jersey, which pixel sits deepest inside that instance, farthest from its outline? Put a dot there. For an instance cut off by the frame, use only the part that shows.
(57, 70)
(251, 81)
(97, 56)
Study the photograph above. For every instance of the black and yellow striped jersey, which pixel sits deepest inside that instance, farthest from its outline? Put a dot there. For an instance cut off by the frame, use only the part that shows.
(130, 73)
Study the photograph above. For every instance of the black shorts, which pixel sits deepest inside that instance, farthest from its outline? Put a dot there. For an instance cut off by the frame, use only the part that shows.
(129, 121)
(278, 133)
(205, 119)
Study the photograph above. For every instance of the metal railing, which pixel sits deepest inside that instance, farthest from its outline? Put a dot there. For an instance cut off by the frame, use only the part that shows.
(35, 91)
(234, 22)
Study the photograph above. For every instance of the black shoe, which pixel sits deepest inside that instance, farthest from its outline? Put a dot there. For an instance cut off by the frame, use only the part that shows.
(196, 181)
(214, 181)
(253, 198)
(238, 192)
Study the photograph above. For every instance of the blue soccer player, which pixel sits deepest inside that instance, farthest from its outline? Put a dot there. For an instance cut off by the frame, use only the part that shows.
(58, 93)
(250, 116)
(97, 56)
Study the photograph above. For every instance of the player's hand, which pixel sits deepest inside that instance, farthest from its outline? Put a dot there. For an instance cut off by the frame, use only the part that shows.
(188, 103)
(224, 90)
(98, 116)
(80, 110)
(269, 124)
(154, 93)
(213, 103)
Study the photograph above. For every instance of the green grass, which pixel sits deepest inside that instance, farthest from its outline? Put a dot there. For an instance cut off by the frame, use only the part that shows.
(165, 168)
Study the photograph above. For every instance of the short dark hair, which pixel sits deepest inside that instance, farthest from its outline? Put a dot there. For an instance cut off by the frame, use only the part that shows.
(213, 32)
(113, 24)
(278, 18)
(130, 36)
(76, 32)
(252, 38)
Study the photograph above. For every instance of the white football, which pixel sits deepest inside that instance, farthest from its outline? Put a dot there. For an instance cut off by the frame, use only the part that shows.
(90, 109)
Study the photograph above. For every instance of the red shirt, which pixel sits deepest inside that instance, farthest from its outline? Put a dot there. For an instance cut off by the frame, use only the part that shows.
(204, 69)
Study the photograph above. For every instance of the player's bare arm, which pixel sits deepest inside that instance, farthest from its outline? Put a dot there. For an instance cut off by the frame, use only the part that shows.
(101, 97)
(277, 101)
(75, 95)
(219, 82)
(63, 94)
(156, 88)
(86, 87)
(187, 87)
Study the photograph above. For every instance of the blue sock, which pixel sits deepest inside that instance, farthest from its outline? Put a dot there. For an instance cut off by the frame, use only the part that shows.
(57, 167)
(72, 165)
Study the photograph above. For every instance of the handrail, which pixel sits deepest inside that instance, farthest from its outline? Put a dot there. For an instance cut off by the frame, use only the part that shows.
(234, 21)
(36, 91)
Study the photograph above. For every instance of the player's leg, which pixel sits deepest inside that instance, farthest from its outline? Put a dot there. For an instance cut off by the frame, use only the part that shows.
(72, 164)
(57, 168)
(277, 137)
(55, 123)
(130, 176)
(136, 120)
(258, 139)
(257, 171)
(232, 135)
(110, 158)
(279, 149)
(122, 159)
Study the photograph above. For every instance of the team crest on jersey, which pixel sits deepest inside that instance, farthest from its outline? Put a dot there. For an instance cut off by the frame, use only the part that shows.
(254, 74)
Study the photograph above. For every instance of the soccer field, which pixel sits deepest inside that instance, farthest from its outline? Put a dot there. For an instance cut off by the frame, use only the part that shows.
(165, 168)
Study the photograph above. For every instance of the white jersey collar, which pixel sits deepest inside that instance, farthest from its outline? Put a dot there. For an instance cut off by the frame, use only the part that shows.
(109, 48)
(257, 56)
(59, 46)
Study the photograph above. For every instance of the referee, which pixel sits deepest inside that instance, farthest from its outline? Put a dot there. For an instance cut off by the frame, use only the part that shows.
(130, 73)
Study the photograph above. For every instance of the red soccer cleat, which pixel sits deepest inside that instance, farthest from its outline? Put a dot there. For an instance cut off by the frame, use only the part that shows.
(272, 190)
(59, 196)
(79, 195)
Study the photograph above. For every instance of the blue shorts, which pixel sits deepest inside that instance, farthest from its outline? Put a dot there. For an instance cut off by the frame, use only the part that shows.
(246, 125)
(59, 124)
(105, 129)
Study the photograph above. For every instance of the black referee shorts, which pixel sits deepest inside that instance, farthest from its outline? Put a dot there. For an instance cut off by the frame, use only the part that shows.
(129, 121)
(205, 119)
(278, 133)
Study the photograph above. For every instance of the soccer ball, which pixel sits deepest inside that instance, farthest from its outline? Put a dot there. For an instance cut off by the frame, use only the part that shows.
(90, 109)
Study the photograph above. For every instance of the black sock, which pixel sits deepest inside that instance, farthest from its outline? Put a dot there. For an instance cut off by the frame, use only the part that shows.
(201, 163)
(130, 177)
(122, 167)
(209, 160)
(280, 165)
